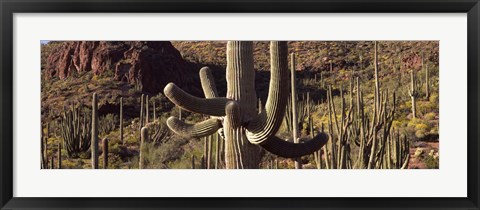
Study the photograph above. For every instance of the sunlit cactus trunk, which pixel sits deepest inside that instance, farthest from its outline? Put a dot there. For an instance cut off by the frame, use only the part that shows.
(294, 106)
(236, 114)
(143, 139)
(240, 77)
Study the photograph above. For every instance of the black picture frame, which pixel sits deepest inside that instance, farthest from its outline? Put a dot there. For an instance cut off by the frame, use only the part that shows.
(9, 7)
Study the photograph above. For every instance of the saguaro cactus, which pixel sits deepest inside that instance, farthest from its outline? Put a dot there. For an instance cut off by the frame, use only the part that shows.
(427, 75)
(121, 120)
(413, 92)
(42, 149)
(59, 155)
(294, 106)
(105, 153)
(147, 113)
(94, 144)
(154, 111)
(144, 138)
(141, 110)
(243, 126)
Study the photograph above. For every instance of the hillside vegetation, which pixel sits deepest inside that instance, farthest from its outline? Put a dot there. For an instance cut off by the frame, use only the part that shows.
(323, 68)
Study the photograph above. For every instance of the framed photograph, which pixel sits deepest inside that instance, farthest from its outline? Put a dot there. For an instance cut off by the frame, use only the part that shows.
(239, 105)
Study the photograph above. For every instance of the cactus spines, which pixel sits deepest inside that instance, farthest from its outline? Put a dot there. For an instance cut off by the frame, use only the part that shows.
(121, 120)
(59, 156)
(105, 153)
(144, 138)
(243, 126)
(94, 144)
(294, 105)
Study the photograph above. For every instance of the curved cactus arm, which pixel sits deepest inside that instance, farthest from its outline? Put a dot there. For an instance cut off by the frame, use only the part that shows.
(208, 83)
(210, 106)
(197, 130)
(287, 149)
(232, 114)
(267, 123)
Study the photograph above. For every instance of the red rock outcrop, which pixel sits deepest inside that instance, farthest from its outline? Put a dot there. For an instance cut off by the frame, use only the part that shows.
(150, 64)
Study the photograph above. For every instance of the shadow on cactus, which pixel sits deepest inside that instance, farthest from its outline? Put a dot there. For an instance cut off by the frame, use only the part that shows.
(235, 116)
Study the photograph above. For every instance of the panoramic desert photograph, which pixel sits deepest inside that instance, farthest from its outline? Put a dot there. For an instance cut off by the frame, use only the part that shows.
(239, 105)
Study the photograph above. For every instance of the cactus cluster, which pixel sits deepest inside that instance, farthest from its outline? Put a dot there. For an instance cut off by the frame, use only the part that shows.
(379, 146)
(243, 127)
(75, 127)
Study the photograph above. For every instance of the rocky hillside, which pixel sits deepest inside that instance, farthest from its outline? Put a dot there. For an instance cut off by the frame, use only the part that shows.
(323, 55)
(150, 65)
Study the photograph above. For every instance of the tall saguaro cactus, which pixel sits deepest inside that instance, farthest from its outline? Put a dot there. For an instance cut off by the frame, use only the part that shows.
(243, 127)
(142, 112)
(121, 120)
(294, 106)
(147, 113)
(94, 144)
(413, 92)
(427, 82)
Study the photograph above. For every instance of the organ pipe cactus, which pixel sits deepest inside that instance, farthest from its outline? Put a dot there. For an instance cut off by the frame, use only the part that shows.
(244, 128)
(75, 129)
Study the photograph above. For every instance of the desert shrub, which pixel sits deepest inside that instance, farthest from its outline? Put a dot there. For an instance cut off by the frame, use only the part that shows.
(431, 162)
(429, 116)
(160, 156)
(107, 123)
